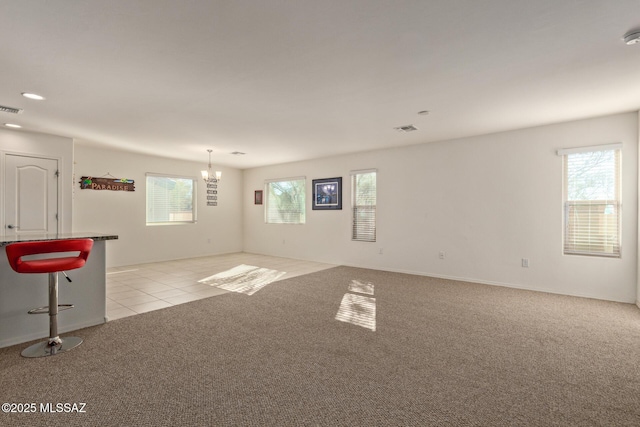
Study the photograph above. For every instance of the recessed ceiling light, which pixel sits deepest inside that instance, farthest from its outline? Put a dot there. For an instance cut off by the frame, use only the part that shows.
(423, 112)
(632, 37)
(12, 125)
(33, 96)
(238, 153)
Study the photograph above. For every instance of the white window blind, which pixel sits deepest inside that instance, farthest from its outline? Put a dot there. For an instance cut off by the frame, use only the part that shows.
(363, 204)
(592, 205)
(285, 201)
(170, 199)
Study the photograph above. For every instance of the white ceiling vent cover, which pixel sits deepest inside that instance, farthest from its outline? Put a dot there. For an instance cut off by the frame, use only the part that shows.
(407, 128)
(12, 110)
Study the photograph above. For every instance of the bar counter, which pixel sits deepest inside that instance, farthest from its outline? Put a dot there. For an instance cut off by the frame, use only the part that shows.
(5, 240)
(20, 293)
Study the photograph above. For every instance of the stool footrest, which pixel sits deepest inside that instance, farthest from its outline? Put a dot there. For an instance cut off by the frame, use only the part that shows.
(45, 309)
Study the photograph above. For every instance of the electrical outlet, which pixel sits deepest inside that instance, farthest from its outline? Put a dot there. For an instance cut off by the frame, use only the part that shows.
(380, 251)
(441, 254)
(525, 262)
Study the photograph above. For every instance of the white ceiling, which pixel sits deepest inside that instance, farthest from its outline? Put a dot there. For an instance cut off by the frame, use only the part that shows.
(299, 79)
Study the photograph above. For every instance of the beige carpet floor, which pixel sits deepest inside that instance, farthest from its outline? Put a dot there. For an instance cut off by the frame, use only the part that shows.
(441, 353)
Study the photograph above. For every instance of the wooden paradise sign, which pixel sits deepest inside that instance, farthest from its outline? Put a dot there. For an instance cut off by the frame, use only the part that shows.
(113, 184)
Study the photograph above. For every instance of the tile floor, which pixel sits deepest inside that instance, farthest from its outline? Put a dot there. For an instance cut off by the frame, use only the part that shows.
(140, 288)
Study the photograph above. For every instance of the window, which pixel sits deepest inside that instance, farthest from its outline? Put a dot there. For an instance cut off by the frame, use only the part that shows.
(285, 201)
(170, 199)
(363, 203)
(592, 205)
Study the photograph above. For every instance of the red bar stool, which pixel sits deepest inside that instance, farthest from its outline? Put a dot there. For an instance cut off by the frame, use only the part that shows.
(15, 253)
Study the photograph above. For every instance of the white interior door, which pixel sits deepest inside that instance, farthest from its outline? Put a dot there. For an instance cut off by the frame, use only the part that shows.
(31, 195)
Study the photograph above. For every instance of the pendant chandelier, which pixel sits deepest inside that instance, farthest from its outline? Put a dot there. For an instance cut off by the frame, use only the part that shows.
(208, 175)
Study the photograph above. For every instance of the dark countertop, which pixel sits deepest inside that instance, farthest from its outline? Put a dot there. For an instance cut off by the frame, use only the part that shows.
(5, 240)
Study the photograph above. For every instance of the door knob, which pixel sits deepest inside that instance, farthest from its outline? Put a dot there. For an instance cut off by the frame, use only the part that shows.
(11, 226)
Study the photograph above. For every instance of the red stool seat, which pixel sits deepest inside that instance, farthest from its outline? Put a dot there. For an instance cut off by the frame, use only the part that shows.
(15, 254)
(16, 251)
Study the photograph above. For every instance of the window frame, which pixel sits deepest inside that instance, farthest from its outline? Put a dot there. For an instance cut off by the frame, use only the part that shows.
(194, 199)
(592, 211)
(302, 205)
(356, 228)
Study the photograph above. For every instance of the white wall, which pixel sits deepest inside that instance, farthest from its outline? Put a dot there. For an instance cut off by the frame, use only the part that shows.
(218, 228)
(48, 146)
(486, 201)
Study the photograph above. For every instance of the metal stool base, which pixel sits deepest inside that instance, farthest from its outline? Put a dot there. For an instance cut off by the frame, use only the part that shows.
(43, 349)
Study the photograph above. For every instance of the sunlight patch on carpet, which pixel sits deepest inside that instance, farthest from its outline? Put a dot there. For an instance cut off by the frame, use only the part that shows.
(244, 279)
(363, 288)
(358, 310)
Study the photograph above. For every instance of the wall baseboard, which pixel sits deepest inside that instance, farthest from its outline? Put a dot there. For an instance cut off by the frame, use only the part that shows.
(492, 283)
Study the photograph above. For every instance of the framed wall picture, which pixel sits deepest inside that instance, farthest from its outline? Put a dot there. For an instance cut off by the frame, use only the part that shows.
(327, 193)
(257, 197)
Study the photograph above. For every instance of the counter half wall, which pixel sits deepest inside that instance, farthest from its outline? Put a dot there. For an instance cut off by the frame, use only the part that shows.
(20, 293)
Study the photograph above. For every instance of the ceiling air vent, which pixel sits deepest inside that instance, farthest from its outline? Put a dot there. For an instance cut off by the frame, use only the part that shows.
(12, 110)
(407, 128)
(238, 153)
